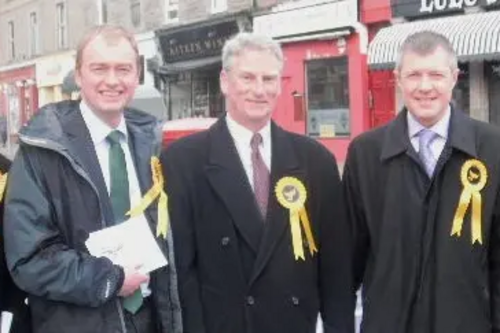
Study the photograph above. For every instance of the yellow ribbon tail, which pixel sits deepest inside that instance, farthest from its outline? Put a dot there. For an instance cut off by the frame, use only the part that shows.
(298, 248)
(476, 218)
(3, 184)
(147, 200)
(163, 218)
(308, 231)
(458, 220)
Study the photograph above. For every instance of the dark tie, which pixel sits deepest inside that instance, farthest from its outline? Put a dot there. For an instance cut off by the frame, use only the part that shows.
(425, 139)
(120, 199)
(260, 175)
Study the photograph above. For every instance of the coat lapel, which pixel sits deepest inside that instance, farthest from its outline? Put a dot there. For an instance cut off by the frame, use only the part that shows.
(228, 179)
(81, 148)
(284, 163)
(141, 148)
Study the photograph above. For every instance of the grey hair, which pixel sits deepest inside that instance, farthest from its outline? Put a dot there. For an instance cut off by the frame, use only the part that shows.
(248, 40)
(424, 43)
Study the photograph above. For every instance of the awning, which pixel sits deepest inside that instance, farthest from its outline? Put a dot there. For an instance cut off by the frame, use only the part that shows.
(475, 37)
(178, 67)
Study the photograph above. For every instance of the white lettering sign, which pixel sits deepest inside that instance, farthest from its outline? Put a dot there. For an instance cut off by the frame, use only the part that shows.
(429, 6)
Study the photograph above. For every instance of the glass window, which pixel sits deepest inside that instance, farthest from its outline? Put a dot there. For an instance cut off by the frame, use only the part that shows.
(12, 45)
(62, 33)
(135, 10)
(461, 93)
(33, 34)
(328, 113)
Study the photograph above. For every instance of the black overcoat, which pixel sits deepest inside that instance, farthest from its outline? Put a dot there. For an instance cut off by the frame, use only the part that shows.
(237, 272)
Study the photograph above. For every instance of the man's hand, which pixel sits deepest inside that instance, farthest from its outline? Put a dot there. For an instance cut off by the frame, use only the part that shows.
(132, 281)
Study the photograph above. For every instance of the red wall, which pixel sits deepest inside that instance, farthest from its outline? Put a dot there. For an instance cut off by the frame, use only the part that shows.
(296, 55)
(374, 11)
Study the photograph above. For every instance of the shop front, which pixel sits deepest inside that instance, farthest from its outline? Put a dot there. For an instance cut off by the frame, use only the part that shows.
(473, 28)
(18, 98)
(325, 81)
(51, 72)
(191, 64)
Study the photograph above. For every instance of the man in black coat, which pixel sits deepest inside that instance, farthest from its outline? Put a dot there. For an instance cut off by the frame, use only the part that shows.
(242, 267)
(423, 196)
(80, 167)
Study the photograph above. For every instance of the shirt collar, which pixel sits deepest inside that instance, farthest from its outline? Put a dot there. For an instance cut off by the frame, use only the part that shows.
(98, 129)
(440, 128)
(243, 135)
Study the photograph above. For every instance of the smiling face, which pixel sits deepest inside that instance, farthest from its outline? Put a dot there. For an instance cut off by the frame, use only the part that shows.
(426, 82)
(108, 76)
(252, 86)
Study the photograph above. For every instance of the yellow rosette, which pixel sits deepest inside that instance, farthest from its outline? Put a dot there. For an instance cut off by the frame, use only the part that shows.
(156, 191)
(473, 176)
(3, 184)
(291, 194)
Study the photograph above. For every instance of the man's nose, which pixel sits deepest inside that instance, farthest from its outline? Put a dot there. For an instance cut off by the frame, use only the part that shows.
(258, 87)
(425, 83)
(111, 78)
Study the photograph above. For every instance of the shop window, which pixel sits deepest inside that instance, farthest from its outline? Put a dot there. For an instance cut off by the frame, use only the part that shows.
(327, 98)
(461, 93)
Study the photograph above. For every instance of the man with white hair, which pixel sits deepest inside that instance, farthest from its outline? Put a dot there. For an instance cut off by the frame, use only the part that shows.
(262, 243)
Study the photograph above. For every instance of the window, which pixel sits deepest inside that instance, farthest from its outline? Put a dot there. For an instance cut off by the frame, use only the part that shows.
(33, 29)
(11, 39)
(135, 11)
(219, 6)
(171, 11)
(61, 23)
(328, 98)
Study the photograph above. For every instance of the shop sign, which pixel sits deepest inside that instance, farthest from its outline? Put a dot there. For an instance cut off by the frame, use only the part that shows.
(195, 43)
(304, 16)
(414, 8)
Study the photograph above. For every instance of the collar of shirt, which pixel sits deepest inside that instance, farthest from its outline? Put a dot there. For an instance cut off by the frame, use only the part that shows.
(440, 128)
(242, 135)
(98, 129)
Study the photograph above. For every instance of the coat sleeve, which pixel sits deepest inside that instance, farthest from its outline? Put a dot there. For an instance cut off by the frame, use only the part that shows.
(181, 217)
(39, 260)
(356, 216)
(335, 254)
(494, 268)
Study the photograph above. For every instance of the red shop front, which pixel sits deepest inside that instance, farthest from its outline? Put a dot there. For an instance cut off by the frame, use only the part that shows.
(18, 95)
(325, 78)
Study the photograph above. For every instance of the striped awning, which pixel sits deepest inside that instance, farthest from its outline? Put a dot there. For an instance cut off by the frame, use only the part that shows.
(475, 37)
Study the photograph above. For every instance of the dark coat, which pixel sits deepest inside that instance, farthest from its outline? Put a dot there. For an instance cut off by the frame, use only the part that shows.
(12, 299)
(55, 198)
(237, 273)
(416, 277)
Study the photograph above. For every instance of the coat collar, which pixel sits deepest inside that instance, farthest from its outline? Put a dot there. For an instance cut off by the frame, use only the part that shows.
(461, 135)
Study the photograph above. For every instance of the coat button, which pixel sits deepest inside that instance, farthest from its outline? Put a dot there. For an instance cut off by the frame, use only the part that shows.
(225, 241)
(295, 301)
(250, 300)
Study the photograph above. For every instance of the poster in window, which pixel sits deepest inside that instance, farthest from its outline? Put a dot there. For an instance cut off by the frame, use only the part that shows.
(328, 113)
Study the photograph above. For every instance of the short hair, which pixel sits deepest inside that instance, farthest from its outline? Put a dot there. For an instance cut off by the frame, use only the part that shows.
(247, 40)
(111, 34)
(424, 43)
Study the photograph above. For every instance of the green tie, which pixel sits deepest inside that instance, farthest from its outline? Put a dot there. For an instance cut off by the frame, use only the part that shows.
(120, 199)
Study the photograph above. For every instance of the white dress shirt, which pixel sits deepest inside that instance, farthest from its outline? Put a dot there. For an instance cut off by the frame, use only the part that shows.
(440, 128)
(99, 130)
(242, 137)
